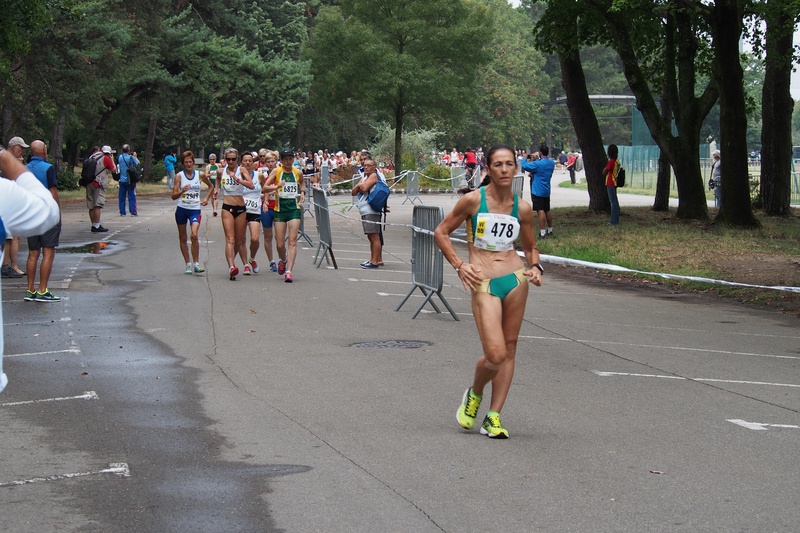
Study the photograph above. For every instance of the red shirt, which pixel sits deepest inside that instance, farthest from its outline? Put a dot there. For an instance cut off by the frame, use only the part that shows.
(611, 176)
(470, 158)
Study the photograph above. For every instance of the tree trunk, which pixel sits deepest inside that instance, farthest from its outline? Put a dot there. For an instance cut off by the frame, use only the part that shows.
(398, 136)
(151, 139)
(683, 151)
(132, 126)
(57, 141)
(735, 207)
(776, 110)
(584, 121)
(661, 201)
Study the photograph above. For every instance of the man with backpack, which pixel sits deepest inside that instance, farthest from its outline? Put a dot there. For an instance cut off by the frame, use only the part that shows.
(370, 216)
(94, 177)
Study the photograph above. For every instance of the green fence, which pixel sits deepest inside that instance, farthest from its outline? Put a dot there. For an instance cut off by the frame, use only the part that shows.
(641, 169)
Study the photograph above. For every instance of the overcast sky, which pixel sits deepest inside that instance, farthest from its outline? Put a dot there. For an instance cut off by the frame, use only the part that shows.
(795, 89)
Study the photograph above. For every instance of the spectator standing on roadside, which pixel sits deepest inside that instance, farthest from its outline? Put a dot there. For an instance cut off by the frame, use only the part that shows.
(541, 173)
(26, 208)
(46, 243)
(169, 165)
(370, 219)
(10, 267)
(562, 159)
(96, 190)
(470, 164)
(571, 160)
(610, 172)
(127, 190)
(716, 177)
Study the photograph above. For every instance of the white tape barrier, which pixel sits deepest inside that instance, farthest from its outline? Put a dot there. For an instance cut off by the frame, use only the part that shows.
(556, 260)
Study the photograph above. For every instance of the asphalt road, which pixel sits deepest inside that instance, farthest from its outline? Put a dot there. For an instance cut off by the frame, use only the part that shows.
(149, 400)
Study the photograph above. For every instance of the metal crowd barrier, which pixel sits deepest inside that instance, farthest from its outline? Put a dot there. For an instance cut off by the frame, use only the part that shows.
(324, 234)
(518, 184)
(457, 178)
(412, 187)
(324, 177)
(426, 259)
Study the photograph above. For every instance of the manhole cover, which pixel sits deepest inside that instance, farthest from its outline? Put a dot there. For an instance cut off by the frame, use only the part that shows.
(391, 344)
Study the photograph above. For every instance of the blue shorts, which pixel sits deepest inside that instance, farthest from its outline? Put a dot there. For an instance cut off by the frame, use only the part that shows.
(183, 215)
(267, 217)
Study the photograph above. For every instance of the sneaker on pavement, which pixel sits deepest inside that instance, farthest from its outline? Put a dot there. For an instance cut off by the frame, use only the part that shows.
(198, 269)
(47, 296)
(253, 265)
(30, 296)
(281, 267)
(369, 265)
(492, 427)
(234, 271)
(99, 229)
(273, 266)
(246, 270)
(8, 272)
(287, 278)
(468, 409)
(188, 268)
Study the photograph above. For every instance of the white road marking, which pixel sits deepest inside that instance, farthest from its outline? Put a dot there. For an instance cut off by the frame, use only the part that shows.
(48, 322)
(379, 280)
(88, 395)
(119, 469)
(759, 426)
(704, 380)
(414, 295)
(70, 350)
(675, 348)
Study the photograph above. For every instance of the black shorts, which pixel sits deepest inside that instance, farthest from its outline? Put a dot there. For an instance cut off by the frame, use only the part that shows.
(234, 210)
(48, 240)
(540, 203)
(254, 217)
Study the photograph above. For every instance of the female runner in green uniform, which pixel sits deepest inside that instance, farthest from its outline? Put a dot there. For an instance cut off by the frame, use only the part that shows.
(497, 278)
(288, 213)
(211, 172)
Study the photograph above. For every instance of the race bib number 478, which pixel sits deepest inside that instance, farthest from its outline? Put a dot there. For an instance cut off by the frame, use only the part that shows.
(496, 233)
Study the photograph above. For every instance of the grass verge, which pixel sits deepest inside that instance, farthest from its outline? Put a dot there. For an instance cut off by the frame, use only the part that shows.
(659, 242)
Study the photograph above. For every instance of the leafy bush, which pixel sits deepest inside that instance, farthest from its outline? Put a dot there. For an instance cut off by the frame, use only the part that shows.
(67, 179)
(435, 176)
(157, 172)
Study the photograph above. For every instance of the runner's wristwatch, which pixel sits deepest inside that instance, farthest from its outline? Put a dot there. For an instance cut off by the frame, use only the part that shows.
(539, 266)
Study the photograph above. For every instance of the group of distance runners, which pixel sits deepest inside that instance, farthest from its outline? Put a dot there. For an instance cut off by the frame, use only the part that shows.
(256, 192)
(496, 219)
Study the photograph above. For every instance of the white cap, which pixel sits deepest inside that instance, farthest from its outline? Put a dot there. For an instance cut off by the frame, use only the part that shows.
(17, 141)
(107, 150)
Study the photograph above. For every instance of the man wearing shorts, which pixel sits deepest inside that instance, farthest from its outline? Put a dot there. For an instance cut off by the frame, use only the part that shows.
(96, 190)
(46, 243)
(541, 173)
(370, 219)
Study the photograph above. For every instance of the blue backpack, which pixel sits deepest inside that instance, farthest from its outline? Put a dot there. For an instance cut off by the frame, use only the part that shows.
(379, 195)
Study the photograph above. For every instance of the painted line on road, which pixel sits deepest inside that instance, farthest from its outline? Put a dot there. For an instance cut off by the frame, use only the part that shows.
(48, 322)
(119, 469)
(679, 348)
(88, 395)
(664, 328)
(759, 426)
(69, 350)
(416, 296)
(676, 348)
(378, 280)
(704, 380)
